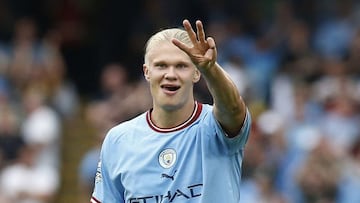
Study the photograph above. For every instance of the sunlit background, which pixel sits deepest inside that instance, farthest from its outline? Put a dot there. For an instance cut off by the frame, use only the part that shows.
(71, 69)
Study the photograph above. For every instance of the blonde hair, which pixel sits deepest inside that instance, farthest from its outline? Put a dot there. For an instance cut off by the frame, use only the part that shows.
(166, 35)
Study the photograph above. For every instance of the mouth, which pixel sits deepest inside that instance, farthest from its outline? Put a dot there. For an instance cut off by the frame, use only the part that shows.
(170, 88)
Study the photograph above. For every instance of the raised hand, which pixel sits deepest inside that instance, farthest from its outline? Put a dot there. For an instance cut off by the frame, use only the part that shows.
(203, 52)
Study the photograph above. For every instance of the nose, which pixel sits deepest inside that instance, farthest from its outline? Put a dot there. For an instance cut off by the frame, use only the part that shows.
(171, 73)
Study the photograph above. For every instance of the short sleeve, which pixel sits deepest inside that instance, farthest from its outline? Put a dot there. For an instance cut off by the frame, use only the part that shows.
(242, 137)
(238, 142)
(106, 189)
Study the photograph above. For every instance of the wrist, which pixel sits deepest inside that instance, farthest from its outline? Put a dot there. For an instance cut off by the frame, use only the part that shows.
(209, 68)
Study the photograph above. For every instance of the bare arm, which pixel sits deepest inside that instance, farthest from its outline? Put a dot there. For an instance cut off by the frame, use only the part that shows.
(229, 108)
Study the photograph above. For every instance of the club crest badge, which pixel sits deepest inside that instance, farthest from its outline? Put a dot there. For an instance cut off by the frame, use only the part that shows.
(167, 158)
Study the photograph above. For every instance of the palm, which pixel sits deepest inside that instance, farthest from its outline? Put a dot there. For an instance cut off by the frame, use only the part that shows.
(203, 52)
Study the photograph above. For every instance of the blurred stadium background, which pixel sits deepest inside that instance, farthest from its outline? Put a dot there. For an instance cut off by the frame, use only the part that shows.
(71, 69)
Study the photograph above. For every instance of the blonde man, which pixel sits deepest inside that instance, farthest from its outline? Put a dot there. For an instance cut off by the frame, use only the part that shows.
(180, 150)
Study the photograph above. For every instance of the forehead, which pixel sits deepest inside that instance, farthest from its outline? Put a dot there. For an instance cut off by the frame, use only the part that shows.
(166, 51)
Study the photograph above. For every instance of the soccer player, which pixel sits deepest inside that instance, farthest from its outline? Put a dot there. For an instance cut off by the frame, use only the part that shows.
(180, 150)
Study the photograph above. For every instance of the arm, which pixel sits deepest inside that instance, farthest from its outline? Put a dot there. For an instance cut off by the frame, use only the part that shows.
(229, 108)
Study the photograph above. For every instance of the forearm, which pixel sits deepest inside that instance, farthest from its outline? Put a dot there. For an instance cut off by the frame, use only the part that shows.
(229, 108)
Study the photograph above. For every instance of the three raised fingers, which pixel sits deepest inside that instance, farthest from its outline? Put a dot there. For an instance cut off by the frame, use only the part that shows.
(195, 37)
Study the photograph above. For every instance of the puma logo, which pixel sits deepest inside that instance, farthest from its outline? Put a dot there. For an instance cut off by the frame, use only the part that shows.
(164, 175)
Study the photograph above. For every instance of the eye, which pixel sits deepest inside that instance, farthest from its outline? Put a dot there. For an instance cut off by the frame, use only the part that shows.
(181, 66)
(161, 65)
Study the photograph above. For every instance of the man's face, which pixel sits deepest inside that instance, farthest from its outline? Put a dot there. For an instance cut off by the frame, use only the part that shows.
(171, 75)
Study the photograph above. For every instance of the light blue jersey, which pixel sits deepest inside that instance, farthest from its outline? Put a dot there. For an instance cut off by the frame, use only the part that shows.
(191, 163)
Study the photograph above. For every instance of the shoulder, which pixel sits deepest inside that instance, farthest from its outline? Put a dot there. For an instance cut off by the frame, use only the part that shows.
(207, 114)
(206, 110)
(125, 128)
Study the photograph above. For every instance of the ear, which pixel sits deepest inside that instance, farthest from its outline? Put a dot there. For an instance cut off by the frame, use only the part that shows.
(146, 72)
(197, 76)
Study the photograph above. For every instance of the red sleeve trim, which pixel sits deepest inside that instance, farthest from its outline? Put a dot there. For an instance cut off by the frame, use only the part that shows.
(94, 200)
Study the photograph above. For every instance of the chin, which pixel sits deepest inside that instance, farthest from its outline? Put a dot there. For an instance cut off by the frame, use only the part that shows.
(171, 105)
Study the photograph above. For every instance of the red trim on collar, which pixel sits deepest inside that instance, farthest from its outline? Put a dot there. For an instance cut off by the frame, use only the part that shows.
(195, 115)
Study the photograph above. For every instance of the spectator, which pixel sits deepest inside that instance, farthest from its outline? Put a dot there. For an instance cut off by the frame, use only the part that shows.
(41, 128)
(24, 181)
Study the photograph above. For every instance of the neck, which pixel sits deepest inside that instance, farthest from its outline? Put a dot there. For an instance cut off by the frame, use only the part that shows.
(163, 118)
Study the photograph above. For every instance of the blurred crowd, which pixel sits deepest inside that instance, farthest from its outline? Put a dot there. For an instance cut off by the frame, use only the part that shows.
(298, 69)
(35, 98)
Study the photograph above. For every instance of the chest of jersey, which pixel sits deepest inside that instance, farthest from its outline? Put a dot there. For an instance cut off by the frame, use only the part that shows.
(162, 167)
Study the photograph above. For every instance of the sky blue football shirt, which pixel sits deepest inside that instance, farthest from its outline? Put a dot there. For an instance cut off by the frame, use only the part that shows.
(194, 162)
